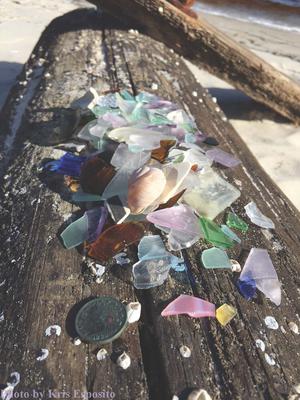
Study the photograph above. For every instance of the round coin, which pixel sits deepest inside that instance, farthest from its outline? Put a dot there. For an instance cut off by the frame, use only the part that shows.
(101, 320)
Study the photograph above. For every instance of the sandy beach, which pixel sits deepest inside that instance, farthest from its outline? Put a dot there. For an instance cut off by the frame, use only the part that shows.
(276, 145)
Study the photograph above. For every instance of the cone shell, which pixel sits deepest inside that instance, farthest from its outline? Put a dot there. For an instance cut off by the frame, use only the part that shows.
(145, 186)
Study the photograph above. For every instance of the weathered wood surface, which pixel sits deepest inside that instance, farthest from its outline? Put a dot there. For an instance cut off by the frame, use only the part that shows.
(211, 50)
(41, 282)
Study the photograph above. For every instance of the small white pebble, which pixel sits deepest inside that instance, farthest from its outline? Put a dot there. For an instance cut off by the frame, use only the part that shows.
(175, 397)
(161, 10)
(218, 109)
(124, 361)
(194, 93)
(260, 344)
(214, 99)
(235, 266)
(44, 353)
(200, 100)
(133, 312)
(294, 327)
(185, 351)
(271, 323)
(76, 341)
(296, 388)
(102, 354)
(282, 329)
(154, 86)
(199, 395)
(270, 360)
(1, 316)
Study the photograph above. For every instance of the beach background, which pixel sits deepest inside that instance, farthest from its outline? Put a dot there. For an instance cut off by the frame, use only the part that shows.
(270, 28)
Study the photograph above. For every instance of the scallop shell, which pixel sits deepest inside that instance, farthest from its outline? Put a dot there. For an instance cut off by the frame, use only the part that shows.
(145, 186)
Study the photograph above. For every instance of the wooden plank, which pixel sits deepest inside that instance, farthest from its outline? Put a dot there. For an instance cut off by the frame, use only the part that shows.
(42, 281)
(45, 281)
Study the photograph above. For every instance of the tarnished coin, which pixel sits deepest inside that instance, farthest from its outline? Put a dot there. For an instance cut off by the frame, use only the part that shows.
(101, 320)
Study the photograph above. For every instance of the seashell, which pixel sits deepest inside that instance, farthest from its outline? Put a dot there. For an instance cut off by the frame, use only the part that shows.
(133, 312)
(185, 351)
(294, 327)
(53, 330)
(76, 341)
(43, 354)
(124, 360)
(235, 266)
(145, 186)
(101, 354)
(200, 394)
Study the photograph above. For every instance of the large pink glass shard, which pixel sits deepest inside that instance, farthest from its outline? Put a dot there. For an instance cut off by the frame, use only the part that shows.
(259, 268)
(190, 305)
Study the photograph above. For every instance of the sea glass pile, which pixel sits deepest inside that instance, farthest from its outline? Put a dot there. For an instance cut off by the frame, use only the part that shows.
(141, 162)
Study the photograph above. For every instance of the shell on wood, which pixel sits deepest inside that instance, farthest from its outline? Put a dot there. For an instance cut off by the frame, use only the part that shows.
(146, 185)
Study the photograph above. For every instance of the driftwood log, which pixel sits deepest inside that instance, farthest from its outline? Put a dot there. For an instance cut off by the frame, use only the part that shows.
(42, 284)
(212, 50)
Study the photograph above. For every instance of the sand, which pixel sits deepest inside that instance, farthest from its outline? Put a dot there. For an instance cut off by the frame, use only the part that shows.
(276, 145)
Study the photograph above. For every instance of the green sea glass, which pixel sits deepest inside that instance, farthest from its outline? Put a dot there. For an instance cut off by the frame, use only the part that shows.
(76, 233)
(228, 232)
(234, 221)
(213, 234)
(215, 258)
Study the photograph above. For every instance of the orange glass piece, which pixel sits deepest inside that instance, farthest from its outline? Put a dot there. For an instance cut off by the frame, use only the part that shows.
(162, 152)
(72, 183)
(116, 238)
(95, 175)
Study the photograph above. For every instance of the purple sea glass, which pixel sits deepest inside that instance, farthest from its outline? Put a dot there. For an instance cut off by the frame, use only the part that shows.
(190, 305)
(96, 219)
(222, 157)
(259, 267)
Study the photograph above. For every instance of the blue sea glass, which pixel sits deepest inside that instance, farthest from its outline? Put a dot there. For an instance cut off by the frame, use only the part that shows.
(247, 288)
(69, 164)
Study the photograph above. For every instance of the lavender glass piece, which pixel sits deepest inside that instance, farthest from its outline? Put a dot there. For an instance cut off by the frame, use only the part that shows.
(257, 217)
(115, 120)
(68, 164)
(259, 268)
(190, 305)
(222, 157)
(96, 221)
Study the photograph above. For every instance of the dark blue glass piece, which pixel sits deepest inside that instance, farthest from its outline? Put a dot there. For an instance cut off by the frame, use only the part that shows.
(247, 288)
(69, 164)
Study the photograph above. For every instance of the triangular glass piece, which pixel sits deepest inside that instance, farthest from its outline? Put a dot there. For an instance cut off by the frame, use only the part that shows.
(190, 305)
(222, 157)
(259, 267)
(213, 234)
(215, 258)
(257, 217)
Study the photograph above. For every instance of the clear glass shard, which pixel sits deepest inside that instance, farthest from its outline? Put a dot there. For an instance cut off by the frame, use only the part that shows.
(190, 305)
(222, 157)
(257, 217)
(259, 267)
(232, 235)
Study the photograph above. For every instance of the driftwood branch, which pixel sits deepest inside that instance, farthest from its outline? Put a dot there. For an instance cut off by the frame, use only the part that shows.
(212, 50)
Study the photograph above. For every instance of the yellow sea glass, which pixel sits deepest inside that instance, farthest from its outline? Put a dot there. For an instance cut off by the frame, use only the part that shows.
(225, 313)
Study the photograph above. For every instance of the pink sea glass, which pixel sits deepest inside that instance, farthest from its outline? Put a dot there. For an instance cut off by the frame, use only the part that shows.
(223, 158)
(190, 305)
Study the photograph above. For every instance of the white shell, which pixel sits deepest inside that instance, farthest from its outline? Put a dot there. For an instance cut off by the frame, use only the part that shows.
(124, 361)
(102, 354)
(133, 312)
(53, 330)
(185, 351)
(271, 323)
(76, 341)
(294, 327)
(269, 359)
(235, 266)
(200, 394)
(175, 397)
(260, 345)
(44, 354)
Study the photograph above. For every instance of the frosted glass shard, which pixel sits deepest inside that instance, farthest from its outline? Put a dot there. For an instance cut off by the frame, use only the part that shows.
(98, 142)
(145, 187)
(232, 235)
(151, 247)
(98, 130)
(190, 305)
(175, 175)
(225, 313)
(179, 240)
(141, 139)
(180, 218)
(76, 233)
(257, 217)
(215, 258)
(85, 197)
(191, 153)
(222, 157)
(210, 194)
(115, 120)
(259, 268)
(213, 234)
(96, 221)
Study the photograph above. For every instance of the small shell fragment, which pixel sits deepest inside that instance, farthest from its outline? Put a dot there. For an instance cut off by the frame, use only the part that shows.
(43, 354)
(133, 312)
(53, 330)
(102, 354)
(294, 327)
(260, 344)
(270, 360)
(76, 341)
(271, 323)
(235, 266)
(200, 394)
(14, 379)
(124, 361)
(185, 351)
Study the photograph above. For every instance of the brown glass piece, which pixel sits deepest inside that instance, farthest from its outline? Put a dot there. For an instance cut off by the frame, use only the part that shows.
(172, 201)
(162, 152)
(72, 183)
(95, 175)
(116, 238)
